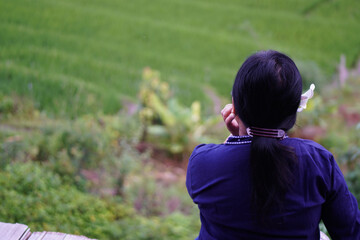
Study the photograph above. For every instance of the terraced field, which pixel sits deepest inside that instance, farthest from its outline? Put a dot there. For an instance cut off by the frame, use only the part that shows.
(84, 56)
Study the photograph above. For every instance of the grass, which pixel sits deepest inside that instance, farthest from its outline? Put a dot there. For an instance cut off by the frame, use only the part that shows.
(78, 57)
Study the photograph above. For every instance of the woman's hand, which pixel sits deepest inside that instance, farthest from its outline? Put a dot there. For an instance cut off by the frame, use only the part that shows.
(228, 115)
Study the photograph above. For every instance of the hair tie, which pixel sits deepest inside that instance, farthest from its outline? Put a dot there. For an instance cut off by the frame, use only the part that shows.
(266, 132)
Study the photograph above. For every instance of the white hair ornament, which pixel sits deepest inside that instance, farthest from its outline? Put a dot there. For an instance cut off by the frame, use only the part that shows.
(305, 97)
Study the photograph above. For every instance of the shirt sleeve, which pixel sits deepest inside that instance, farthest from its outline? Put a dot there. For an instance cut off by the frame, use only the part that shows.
(340, 211)
(188, 178)
(190, 168)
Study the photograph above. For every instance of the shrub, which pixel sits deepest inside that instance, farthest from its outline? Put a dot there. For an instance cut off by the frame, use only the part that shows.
(33, 195)
(89, 148)
(166, 123)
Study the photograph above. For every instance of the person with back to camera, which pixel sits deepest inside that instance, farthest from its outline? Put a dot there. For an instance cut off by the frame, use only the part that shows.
(262, 184)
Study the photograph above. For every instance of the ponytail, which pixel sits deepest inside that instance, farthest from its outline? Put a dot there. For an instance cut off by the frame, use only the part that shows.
(273, 172)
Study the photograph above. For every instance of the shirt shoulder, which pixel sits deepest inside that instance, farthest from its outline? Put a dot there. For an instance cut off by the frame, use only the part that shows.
(205, 148)
(315, 162)
(305, 147)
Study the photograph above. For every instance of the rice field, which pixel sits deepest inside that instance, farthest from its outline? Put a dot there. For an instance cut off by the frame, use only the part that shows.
(75, 57)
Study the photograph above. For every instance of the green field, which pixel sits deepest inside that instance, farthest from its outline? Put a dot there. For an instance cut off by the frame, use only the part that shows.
(85, 56)
(69, 163)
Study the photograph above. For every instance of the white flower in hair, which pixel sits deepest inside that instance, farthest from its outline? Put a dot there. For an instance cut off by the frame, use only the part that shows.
(305, 97)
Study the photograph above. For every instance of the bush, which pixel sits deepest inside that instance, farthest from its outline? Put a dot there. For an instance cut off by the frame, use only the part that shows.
(173, 227)
(88, 148)
(33, 195)
(19, 106)
(168, 124)
(333, 118)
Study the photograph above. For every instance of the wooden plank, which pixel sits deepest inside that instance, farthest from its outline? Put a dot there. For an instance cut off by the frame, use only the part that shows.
(74, 237)
(54, 236)
(11, 231)
(26, 235)
(37, 236)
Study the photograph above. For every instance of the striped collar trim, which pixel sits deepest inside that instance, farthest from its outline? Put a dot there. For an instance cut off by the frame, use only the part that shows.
(237, 140)
(231, 140)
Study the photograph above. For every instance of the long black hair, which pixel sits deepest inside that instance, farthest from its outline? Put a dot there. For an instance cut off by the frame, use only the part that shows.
(266, 93)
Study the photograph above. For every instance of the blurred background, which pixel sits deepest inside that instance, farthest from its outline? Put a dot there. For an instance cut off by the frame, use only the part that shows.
(102, 102)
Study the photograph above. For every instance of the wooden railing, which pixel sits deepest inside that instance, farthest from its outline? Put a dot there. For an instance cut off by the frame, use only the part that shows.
(9, 231)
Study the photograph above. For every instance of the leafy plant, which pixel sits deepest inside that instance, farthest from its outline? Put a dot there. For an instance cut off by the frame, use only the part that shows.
(166, 122)
(331, 119)
(34, 195)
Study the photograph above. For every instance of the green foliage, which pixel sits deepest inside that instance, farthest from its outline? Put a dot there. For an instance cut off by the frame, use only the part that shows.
(7, 105)
(157, 191)
(32, 194)
(166, 122)
(88, 147)
(173, 227)
(74, 57)
(311, 73)
(49, 168)
(334, 118)
(11, 148)
(85, 176)
(19, 106)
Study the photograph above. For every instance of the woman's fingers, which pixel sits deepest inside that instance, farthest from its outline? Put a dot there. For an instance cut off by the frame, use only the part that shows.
(227, 107)
(232, 125)
(225, 112)
(229, 119)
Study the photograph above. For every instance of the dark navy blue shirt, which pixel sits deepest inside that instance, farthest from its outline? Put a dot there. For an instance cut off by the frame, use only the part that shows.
(218, 181)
